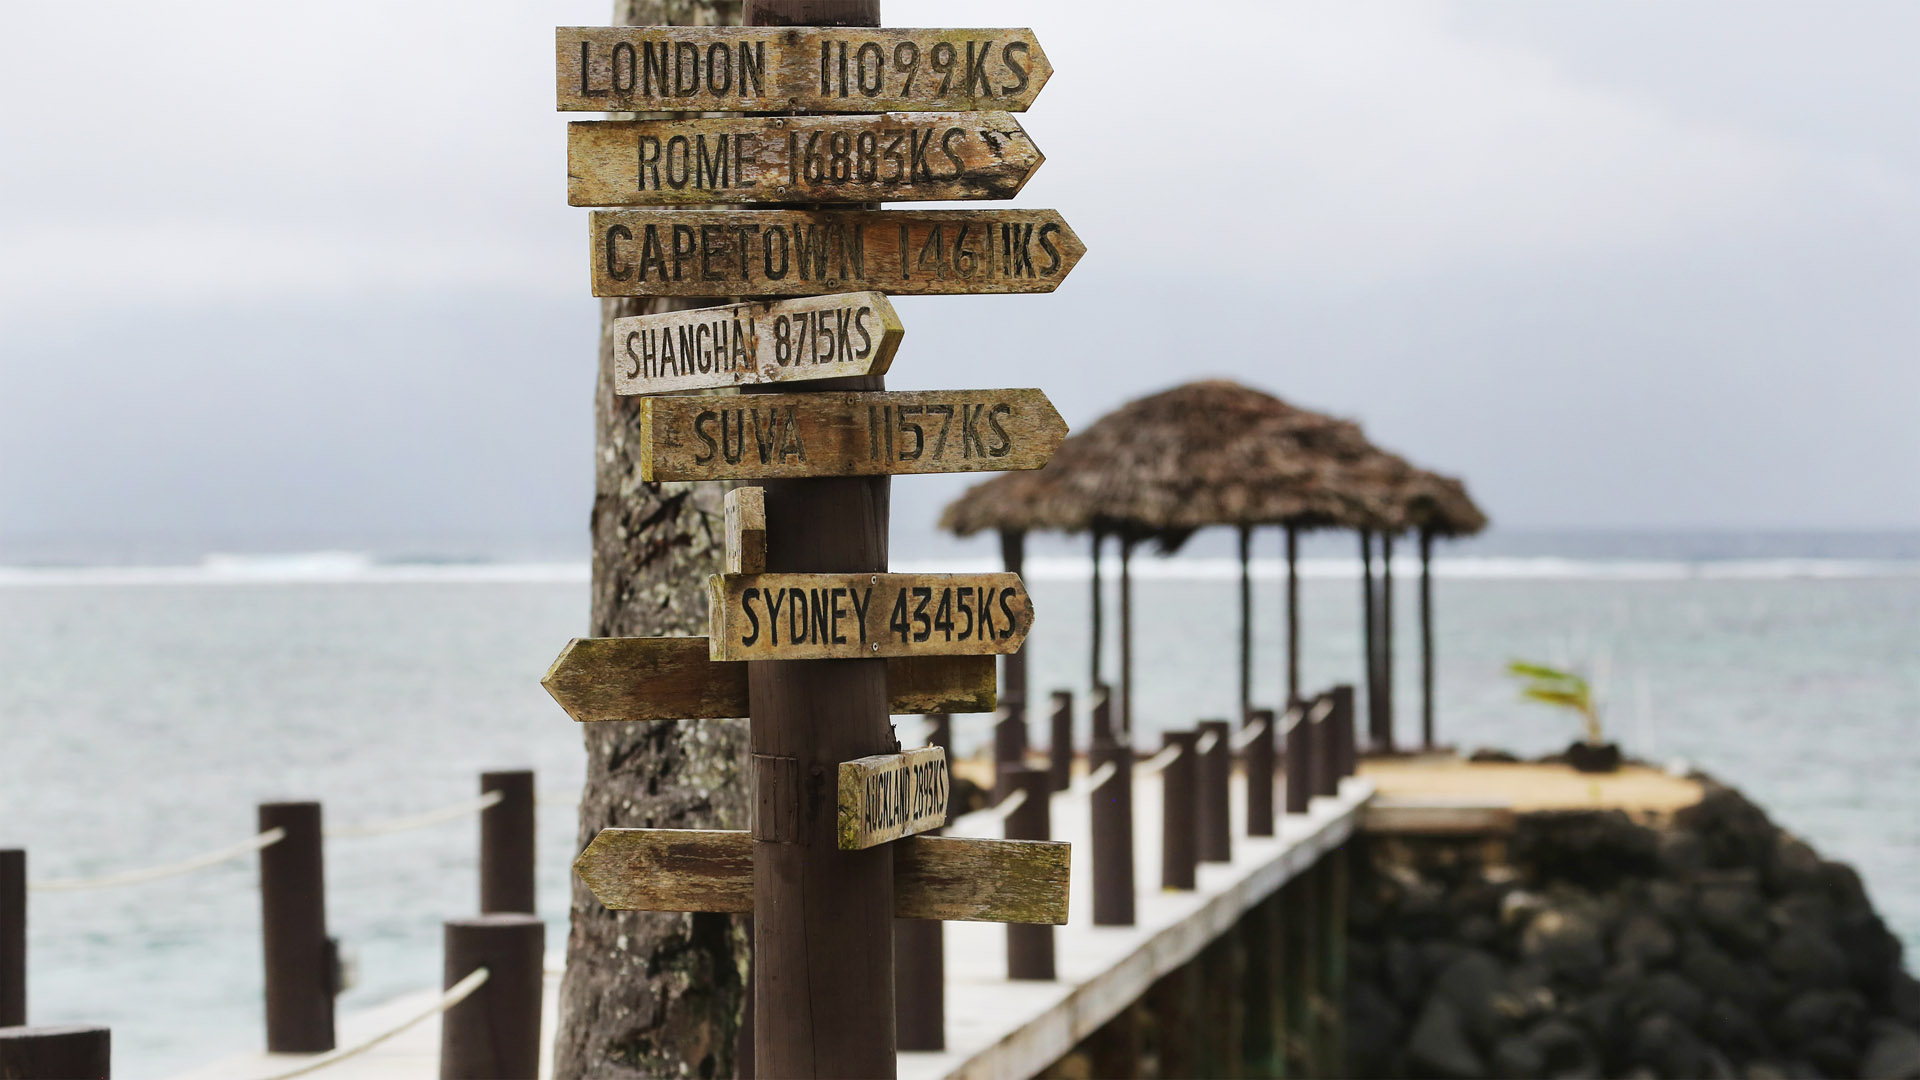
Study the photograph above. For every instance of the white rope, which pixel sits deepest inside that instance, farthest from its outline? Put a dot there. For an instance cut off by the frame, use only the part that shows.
(558, 799)
(156, 873)
(1160, 760)
(1206, 744)
(1006, 808)
(1320, 711)
(1246, 736)
(1099, 778)
(1294, 718)
(415, 821)
(454, 995)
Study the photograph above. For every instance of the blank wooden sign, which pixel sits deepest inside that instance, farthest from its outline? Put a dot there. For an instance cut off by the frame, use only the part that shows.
(817, 337)
(850, 616)
(810, 252)
(798, 69)
(866, 433)
(888, 796)
(798, 159)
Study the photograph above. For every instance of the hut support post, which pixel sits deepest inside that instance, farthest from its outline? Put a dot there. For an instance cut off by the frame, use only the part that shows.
(1013, 667)
(1126, 637)
(1096, 630)
(1246, 621)
(1386, 640)
(1368, 670)
(13, 937)
(1426, 639)
(1293, 616)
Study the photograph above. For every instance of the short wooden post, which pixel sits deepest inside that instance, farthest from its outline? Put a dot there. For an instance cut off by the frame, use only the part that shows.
(1323, 752)
(1179, 824)
(495, 1033)
(1060, 741)
(1333, 871)
(1301, 919)
(1102, 713)
(920, 957)
(1299, 761)
(1173, 1001)
(1112, 821)
(1113, 1050)
(55, 1053)
(1257, 990)
(506, 843)
(1258, 758)
(1215, 798)
(1030, 947)
(13, 937)
(1221, 1016)
(300, 959)
(1009, 744)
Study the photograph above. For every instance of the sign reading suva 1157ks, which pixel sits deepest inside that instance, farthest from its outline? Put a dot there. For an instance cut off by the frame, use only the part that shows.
(795, 69)
(798, 159)
(838, 433)
(809, 252)
(816, 337)
(888, 796)
(850, 616)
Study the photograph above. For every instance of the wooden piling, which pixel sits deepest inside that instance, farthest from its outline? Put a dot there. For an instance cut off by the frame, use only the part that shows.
(13, 937)
(1102, 714)
(1300, 761)
(1426, 639)
(1332, 874)
(1030, 946)
(1323, 752)
(1215, 799)
(1222, 1014)
(1345, 757)
(1258, 758)
(920, 956)
(1060, 740)
(495, 1033)
(55, 1053)
(1257, 990)
(1174, 1003)
(299, 957)
(1179, 822)
(506, 843)
(1112, 827)
(1386, 640)
(1300, 922)
(1113, 1050)
(1009, 745)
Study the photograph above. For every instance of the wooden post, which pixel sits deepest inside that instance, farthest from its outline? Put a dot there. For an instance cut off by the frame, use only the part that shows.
(495, 1033)
(1386, 640)
(920, 955)
(1426, 639)
(1258, 757)
(1102, 714)
(1341, 717)
(1112, 821)
(1029, 946)
(1095, 631)
(1324, 753)
(1060, 741)
(506, 843)
(1246, 621)
(55, 1053)
(1013, 666)
(822, 917)
(1300, 919)
(1332, 874)
(1179, 824)
(1369, 644)
(1009, 746)
(300, 961)
(1300, 761)
(1126, 636)
(1257, 991)
(1113, 1050)
(1174, 1001)
(13, 937)
(1223, 1017)
(1214, 799)
(1293, 614)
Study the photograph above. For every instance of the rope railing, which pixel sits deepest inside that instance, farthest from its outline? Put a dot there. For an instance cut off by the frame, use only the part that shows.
(1097, 780)
(1160, 761)
(453, 995)
(1245, 736)
(1206, 744)
(412, 821)
(1004, 810)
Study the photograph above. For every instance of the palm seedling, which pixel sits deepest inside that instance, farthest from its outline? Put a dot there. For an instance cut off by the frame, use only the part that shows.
(1566, 689)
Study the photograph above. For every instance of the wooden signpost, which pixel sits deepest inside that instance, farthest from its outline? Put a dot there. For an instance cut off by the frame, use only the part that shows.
(811, 252)
(820, 337)
(925, 118)
(888, 432)
(788, 159)
(800, 69)
(860, 616)
(888, 796)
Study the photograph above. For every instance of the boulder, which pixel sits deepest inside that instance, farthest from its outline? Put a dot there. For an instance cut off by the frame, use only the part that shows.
(1517, 1058)
(1893, 1053)
(1643, 938)
(1806, 959)
(1400, 964)
(1666, 1046)
(1565, 1050)
(1731, 1027)
(1379, 1028)
(1818, 1014)
(1735, 914)
(1566, 942)
(1711, 969)
(1438, 1045)
(1471, 984)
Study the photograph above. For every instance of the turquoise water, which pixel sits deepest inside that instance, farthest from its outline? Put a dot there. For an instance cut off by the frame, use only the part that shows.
(143, 714)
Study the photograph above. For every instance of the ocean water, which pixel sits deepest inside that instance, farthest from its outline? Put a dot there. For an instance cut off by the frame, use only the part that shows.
(144, 711)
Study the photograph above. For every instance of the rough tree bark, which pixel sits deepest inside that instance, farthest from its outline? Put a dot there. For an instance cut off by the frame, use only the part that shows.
(646, 993)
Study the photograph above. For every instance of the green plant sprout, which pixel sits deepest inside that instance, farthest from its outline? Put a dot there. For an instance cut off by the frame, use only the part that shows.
(1567, 689)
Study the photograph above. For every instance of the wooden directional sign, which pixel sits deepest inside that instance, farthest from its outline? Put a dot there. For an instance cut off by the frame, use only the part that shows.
(865, 433)
(597, 679)
(798, 159)
(818, 337)
(934, 877)
(850, 616)
(810, 252)
(745, 510)
(798, 69)
(888, 796)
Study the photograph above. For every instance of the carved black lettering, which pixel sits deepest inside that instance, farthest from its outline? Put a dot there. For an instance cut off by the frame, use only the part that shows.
(652, 257)
(622, 57)
(719, 69)
(686, 69)
(747, 597)
(682, 236)
(1046, 245)
(713, 244)
(700, 422)
(617, 269)
(977, 68)
(1019, 71)
(653, 69)
(994, 414)
(753, 67)
(585, 90)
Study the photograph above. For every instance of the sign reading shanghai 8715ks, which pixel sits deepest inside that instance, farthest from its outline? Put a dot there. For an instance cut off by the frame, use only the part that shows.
(816, 337)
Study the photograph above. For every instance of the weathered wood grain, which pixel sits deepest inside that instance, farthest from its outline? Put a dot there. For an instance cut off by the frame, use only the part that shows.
(802, 69)
(798, 159)
(872, 433)
(746, 517)
(816, 337)
(850, 616)
(956, 878)
(609, 679)
(888, 796)
(810, 252)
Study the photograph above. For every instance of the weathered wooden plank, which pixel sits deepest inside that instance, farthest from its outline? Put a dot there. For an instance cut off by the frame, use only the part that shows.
(810, 252)
(816, 337)
(956, 878)
(800, 69)
(850, 616)
(601, 679)
(746, 540)
(871, 433)
(798, 159)
(888, 796)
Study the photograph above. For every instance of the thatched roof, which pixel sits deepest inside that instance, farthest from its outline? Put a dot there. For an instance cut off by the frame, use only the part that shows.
(1206, 453)
(1440, 505)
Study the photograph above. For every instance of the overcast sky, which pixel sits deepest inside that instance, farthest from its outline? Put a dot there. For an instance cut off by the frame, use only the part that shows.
(288, 276)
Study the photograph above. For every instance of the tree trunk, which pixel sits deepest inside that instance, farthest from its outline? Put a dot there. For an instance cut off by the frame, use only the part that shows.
(653, 993)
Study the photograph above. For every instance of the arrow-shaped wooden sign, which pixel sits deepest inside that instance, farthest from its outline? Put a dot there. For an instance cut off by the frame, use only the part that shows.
(957, 878)
(867, 433)
(797, 69)
(798, 159)
(810, 252)
(888, 796)
(817, 337)
(853, 616)
(600, 679)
